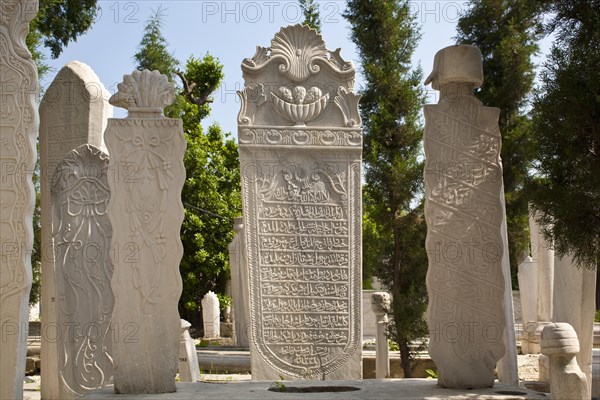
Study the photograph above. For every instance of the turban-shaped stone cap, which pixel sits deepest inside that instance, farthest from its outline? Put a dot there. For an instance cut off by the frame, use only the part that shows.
(559, 338)
(460, 63)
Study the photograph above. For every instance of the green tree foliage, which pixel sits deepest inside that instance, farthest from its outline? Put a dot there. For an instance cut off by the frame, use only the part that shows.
(386, 36)
(566, 127)
(210, 194)
(310, 10)
(506, 32)
(60, 22)
(153, 53)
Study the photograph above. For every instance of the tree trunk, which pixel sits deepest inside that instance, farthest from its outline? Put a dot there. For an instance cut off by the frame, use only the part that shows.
(405, 358)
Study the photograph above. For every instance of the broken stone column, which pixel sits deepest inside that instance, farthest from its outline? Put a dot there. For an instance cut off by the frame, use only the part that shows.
(18, 131)
(73, 112)
(574, 289)
(466, 226)
(239, 284)
(189, 369)
(81, 234)
(145, 210)
(211, 316)
(380, 303)
(567, 381)
(300, 146)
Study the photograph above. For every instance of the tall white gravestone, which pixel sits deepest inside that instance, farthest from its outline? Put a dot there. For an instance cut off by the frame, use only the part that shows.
(211, 315)
(145, 210)
(18, 130)
(239, 284)
(464, 210)
(83, 271)
(300, 146)
(73, 112)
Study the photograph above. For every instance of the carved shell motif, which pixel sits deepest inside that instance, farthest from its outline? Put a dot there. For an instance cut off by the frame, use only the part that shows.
(299, 105)
(298, 45)
(145, 90)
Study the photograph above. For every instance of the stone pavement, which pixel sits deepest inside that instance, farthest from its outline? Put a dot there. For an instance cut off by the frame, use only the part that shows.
(397, 389)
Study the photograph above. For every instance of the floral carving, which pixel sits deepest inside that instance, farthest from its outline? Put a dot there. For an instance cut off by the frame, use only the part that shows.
(347, 102)
(82, 234)
(144, 90)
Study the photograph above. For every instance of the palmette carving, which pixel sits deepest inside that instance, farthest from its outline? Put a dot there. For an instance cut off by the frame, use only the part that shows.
(18, 130)
(145, 90)
(83, 270)
(302, 218)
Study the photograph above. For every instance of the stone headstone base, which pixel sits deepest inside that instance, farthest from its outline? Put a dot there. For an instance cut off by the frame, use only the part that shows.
(397, 389)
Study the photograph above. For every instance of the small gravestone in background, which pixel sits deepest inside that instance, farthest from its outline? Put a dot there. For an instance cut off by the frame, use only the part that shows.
(466, 234)
(211, 316)
(239, 285)
(146, 175)
(300, 146)
(189, 369)
(380, 303)
(18, 132)
(83, 271)
(73, 112)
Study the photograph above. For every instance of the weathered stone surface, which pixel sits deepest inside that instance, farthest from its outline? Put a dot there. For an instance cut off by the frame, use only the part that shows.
(542, 255)
(300, 147)
(567, 381)
(211, 316)
(145, 210)
(464, 209)
(573, 296)
(73, 112)
(189, 369)
(18, 131)
(239, 285)
(81, 235)
(380, 303)
(528, 276)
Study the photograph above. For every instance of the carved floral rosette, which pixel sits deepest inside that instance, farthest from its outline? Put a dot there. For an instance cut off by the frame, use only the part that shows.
(300, 145)
(464, 211)
(19, 123)
(83, 270)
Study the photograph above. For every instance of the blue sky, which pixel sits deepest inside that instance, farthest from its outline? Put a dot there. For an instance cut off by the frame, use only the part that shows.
(231, 30)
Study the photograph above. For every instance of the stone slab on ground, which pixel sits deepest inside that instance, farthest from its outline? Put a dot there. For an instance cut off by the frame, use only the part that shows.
(397, 389)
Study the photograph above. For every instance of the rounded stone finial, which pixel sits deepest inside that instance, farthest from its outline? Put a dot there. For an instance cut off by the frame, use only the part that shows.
(380, 301)
(144, 92)
(238, 224)
(456, 64)
(559, 338)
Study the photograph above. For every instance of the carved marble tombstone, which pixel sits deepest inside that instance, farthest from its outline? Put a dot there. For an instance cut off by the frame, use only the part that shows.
(542, 255)
(211, 316)
(466, 233)
(18, 131)
(73, 112)
(239, 284)
(83, 270)
(189, 369)
(145, 210)
(528, 287)
(300, 147)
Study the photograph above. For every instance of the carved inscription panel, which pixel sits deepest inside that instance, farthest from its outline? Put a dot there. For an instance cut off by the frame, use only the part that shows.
(304, 246)
(463, 179)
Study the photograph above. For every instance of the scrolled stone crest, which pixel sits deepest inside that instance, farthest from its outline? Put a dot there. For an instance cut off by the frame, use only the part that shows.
(144, 92)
